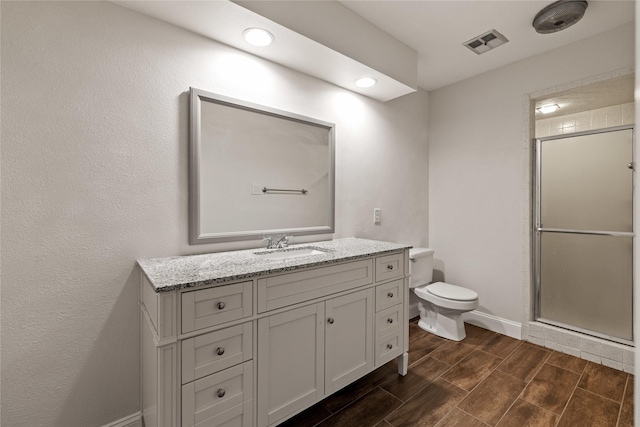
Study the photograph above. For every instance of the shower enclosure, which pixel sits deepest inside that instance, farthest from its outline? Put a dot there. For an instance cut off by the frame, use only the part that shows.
(584, 232)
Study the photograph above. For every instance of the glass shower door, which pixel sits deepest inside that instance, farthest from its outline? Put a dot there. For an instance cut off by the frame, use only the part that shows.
(584, 232)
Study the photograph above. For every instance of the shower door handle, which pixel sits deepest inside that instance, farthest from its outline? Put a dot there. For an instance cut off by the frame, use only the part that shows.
(591, 232)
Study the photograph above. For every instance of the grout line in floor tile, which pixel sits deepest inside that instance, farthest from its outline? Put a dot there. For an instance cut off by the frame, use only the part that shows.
(446, 415)
(463, 389)
(508, 409)
(429, 354)
(399, 407)
(572, 393)
(471, 415)
(423, 357)
(584, 368)
(541, 365)
(323, 420)
(599, 395)
(399, 400)
(624, 393)
(512, 351)
(413, 395)
(479, 349)
(532, 377)
(544, 409)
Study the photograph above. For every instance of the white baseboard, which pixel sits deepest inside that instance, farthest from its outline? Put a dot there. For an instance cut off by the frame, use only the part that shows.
(133, 420)
(494, 323)
(484, 320)
(413, 311)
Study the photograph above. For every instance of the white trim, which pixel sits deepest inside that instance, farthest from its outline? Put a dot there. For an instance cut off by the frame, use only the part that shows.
(413, 310)
(494, 323)
(484, 320)
(133, 420)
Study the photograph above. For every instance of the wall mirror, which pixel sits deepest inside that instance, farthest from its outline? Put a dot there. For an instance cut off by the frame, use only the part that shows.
(257, 171)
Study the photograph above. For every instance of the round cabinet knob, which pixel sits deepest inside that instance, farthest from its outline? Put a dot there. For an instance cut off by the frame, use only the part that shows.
(220, 305)
(389, 346)
(390, 294)
(330, 320)
(219, 351)
(389, 267)
(389, 320)
(221, 393)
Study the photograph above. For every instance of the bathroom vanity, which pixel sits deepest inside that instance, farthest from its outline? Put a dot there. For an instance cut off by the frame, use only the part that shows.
(253, 337)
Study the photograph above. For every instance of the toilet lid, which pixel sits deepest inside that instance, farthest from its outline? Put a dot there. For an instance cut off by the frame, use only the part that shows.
(445, 290)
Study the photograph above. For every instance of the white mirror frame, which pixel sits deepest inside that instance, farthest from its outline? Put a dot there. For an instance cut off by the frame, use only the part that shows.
(196, 235)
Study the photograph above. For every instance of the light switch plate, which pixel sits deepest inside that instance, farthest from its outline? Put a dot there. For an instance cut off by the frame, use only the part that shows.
(377, 215)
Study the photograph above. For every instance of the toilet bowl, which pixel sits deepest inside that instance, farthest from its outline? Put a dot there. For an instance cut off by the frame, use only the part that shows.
(440, 304)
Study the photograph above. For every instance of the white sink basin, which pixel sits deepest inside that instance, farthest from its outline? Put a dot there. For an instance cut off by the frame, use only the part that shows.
(290, 253)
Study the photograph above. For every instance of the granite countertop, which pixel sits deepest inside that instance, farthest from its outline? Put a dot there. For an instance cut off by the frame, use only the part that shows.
(168, 274)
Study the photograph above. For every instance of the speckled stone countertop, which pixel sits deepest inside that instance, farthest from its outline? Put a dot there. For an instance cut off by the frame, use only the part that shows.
(168, 274)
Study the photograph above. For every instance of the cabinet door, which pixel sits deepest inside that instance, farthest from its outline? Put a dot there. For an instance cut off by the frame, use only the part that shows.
(349, 339)
(290, 362)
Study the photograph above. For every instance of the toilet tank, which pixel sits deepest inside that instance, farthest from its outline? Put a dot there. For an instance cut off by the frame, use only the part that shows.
(421, 266)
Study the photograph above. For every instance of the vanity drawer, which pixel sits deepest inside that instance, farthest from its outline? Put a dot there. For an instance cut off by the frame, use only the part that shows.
(389, 294)
(209, 353)
(388, 347)
(389, 267)
(388, 321)
(214, 306)
(219, 398)
(287, 289)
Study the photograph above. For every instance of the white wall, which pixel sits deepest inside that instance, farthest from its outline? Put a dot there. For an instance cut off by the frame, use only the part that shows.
(94, 176)
(479, 160)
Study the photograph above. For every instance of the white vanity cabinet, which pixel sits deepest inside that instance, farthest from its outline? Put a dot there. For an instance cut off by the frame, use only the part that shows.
(309, 352)
(258, 350)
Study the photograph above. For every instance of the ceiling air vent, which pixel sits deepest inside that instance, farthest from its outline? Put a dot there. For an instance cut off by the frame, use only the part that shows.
(485, 42)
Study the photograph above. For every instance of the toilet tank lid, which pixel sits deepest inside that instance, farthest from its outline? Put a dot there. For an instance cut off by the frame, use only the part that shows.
(420, 252)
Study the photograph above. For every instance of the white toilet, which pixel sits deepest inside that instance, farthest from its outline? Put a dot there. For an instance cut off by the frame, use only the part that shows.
(441, 304)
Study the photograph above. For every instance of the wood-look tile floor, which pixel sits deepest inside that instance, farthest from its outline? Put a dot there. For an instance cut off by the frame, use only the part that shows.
(487, 379)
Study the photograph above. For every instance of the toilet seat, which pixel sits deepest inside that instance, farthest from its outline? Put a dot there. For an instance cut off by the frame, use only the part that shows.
(424, 293)
(448, 291)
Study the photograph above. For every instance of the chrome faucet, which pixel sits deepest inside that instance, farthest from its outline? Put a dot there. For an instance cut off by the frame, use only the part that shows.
(282, 242)
(269, 242)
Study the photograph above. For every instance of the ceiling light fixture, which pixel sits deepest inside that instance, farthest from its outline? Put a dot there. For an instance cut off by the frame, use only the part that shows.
(366, 82)
(546, 109)
(258, 37)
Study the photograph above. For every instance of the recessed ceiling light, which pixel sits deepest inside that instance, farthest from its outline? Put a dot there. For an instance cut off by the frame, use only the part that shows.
(258, 36)
(366, 82)
(546, 109)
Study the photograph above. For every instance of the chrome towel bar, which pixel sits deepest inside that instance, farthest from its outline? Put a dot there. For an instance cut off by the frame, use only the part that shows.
(278, 190)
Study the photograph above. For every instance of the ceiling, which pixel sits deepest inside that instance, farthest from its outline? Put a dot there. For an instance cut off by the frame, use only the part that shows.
(438, 29)
(225, 21)
(435, 29)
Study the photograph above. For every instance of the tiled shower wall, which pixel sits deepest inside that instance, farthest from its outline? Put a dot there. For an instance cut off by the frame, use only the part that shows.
(614, 355)
(607, 117)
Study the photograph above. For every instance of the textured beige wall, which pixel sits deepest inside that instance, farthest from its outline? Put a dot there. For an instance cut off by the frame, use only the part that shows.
(94, 176)
(479, 160)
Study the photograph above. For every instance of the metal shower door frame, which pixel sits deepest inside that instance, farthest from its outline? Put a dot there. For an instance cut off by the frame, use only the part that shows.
(538, 230)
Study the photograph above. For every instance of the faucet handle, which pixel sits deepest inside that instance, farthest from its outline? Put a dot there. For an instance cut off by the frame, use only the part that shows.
(283, 241)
